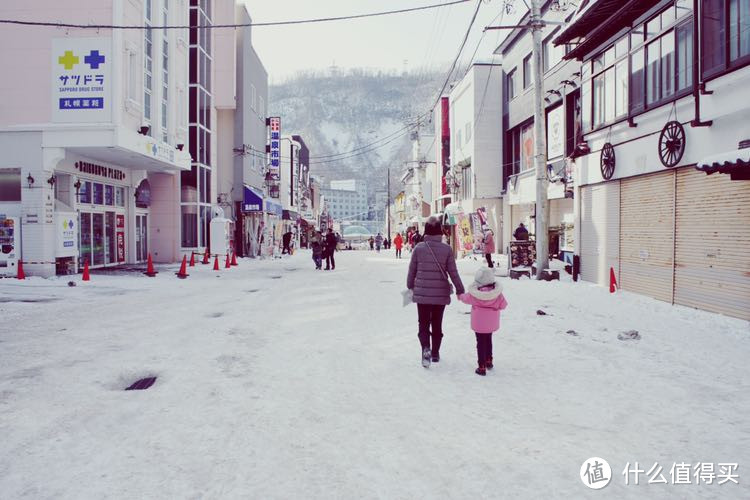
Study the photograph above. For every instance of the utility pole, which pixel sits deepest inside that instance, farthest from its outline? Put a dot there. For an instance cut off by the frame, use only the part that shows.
(388, 204)
(540, 144)
(536, 24)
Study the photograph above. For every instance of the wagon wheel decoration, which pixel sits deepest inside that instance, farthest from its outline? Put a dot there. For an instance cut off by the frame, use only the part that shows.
(607, 161)
(671, 144)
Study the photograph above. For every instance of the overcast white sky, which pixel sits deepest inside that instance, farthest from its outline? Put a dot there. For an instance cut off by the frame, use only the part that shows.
(412, 40)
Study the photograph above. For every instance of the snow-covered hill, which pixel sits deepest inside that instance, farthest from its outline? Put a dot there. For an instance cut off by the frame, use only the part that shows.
(337, 112)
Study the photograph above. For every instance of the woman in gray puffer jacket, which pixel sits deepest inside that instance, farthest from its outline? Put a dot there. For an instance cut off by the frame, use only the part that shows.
(431, 263)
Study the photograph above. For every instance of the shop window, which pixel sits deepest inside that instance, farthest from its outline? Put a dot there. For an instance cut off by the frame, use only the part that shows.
(713, 36)
(586, 104)
(683, 8)
(10, 184)
(109, 195)
(120, 197)
(637, 82)
(551, 55)
(667, 64)
(189, 185)
(739, 29)
(98, 194)
(637, 35)
(527, 147)
(189, 226)
(204, 225)
(527, 79)
(684, 56)
(84, 193)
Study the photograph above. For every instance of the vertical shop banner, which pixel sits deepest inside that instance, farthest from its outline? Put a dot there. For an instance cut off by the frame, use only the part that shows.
(555, 133)
(463, 229)
(67, 234)
(120, 226)
(275, 147)
(478, 235)
(81, 80)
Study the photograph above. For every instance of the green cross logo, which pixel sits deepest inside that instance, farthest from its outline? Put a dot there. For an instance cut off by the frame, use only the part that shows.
(68, 60)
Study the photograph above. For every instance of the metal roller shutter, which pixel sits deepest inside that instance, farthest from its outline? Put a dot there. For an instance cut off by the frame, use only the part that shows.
(713, 237)
(600, 231)
(647, 235)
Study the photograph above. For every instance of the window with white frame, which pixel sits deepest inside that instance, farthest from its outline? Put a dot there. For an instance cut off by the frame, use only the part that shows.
(466, 192)
(551, 55)
(527, 79)
(148, 49)
(511, 83)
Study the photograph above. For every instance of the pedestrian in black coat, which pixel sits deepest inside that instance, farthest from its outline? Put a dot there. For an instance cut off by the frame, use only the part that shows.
(432, 264)
(521, 233)
(330, 249)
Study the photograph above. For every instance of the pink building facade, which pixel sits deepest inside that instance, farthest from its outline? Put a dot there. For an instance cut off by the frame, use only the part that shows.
(93, 134)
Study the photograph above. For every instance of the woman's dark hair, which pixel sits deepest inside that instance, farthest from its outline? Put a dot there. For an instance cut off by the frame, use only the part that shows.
(432, 227)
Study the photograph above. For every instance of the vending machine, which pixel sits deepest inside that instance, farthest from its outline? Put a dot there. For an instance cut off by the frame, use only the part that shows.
(222, 236)
(10, 245)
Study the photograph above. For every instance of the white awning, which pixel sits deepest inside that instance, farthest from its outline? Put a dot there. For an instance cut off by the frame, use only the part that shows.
(454, 208)
(726, 163)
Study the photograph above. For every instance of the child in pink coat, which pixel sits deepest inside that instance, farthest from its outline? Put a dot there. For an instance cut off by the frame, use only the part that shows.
(485, 295)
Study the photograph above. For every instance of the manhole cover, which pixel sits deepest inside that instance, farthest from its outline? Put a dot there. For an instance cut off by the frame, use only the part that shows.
(142, 384)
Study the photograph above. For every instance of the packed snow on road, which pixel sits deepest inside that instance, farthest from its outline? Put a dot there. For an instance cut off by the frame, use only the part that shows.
(276, 380)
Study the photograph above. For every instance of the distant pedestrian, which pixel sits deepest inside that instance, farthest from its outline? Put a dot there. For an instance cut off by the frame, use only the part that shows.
(317, 250)
(521, 233)
(489, 247)
(487, 300)
(330, 243)
(417, 238)
(378, 241)
(432, 263)
(398, 242)
(372, 242)
(286, 239)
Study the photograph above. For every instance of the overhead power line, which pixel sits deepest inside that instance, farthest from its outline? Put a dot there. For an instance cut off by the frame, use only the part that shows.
(458, 56)
(220, 26)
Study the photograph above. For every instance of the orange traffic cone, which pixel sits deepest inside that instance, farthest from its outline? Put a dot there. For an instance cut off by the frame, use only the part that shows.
(228, 264)
(192, 259)
(86, 276)
(21, 275)
(150, 267)
(205, 257)
(234, 258)
(216, 262)
(182, 274)
(612, 281)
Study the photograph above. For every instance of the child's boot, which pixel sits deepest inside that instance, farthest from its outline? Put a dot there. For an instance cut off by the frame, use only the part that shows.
(482, 370)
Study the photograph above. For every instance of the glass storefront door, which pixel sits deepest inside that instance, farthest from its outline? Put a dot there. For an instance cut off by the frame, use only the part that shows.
(109, 238)
(98, 238)
(141, 237)
(84, 243)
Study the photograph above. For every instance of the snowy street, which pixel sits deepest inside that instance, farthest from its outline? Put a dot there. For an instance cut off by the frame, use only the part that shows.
(279, 381)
